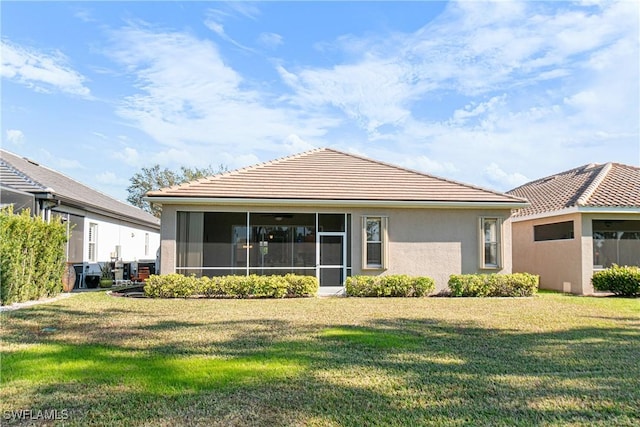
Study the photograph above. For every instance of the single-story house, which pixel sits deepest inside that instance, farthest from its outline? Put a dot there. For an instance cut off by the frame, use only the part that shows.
(579, 221)
(331, 214)
(101, 228)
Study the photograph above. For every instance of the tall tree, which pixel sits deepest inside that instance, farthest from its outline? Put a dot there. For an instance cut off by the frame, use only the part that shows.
(154, 178)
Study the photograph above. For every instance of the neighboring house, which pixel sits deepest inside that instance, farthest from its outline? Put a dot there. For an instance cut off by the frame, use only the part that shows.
(101, 228)
(579, 221)
(331, 214)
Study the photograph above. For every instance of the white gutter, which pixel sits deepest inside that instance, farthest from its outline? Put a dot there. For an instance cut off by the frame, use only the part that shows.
(340, 203)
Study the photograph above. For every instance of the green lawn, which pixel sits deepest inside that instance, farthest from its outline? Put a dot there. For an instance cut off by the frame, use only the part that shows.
(548, 360)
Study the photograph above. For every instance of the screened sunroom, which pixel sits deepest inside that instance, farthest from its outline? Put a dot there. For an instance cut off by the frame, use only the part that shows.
(264, 243)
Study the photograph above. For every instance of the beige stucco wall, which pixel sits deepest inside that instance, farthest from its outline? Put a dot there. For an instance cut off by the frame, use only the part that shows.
(433, 242)
(557, 262)
(563, 265)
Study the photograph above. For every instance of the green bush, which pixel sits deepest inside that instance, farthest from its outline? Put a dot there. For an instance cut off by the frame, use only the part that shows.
(32, 257)
(252, 286)
(301, 286)
(622, 281)
(493, 285)
(399, 285)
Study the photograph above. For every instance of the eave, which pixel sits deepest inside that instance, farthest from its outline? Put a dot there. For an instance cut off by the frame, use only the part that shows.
(414, 204)
(604, 210)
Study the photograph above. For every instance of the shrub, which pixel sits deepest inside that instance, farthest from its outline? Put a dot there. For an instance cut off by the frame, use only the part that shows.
(253, 286)
(301, 286)
(493, 285)
(170, 286)
(32, 257)
(399, 285)
(622, 281)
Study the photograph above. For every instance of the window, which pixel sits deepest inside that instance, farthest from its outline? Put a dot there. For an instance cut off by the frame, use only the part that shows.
(490, 242)
(93, 240)
(616, 242)
(146, 244)
(554, 231)
(375, 240)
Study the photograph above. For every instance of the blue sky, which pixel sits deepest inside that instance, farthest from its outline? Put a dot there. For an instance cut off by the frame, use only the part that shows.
(489, 93)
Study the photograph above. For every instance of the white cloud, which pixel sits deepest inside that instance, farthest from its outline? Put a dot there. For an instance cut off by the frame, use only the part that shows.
(110, 178)
(216, 17)
(59, 163)
(431, 166)
(85, 15)
(15, 136)
(128, 156)
(372, 93)
(500, 178)
(295, 144)
(539, 86)
(270, 40)
(484, 84)
(187, 96)
(44, 72)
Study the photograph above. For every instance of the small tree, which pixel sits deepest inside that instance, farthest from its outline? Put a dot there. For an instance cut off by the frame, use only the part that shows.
(155, 178)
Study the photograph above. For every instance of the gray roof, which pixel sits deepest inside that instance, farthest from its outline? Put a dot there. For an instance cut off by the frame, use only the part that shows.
(28, 176)
(331, 175)
(611, 185)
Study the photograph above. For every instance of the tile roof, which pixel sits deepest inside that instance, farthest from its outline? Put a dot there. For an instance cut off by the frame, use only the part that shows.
(593, 185)
(328, 174)
(25, 175)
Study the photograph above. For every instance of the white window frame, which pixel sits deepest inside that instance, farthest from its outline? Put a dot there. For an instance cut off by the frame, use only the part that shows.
(146, 244)
(92, 239)
(384, 242)
(483, 241)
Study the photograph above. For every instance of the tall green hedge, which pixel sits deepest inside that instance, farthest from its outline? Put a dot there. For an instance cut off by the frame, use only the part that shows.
(32, 257)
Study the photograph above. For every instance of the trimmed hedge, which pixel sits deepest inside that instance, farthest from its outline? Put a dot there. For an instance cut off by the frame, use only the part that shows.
(252, 286)
(493, 285)
(399, 285)
(622, 281)
(32, 257)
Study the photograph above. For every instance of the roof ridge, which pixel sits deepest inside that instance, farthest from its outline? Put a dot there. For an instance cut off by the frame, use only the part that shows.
(22, 175)
(406, 169)
(588, 192)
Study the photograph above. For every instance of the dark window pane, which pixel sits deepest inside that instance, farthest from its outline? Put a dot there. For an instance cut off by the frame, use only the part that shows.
(331, 277)
(374, 254)
(555, 231)
(331, 222)
(491, 254)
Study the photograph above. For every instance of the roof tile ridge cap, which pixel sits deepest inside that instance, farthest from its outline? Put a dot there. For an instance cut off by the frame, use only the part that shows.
(586, 195)
(452, 181)
(24, 175)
